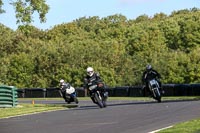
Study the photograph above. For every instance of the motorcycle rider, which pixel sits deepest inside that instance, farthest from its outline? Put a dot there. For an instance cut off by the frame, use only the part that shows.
(149, 74)
(93, 78)
(63, 86)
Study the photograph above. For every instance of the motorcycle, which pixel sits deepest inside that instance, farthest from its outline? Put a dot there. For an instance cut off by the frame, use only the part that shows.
(154, 88)
(69, 94)
(97, 96)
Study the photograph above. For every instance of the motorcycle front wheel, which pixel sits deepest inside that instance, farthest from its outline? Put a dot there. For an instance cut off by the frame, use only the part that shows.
(157, 95)
(98, 99)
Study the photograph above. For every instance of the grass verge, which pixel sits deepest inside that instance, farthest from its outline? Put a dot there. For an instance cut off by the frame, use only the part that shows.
(22, 109)
(185, 127)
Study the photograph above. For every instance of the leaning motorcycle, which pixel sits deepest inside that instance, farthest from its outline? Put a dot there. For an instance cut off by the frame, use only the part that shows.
(69, 94)
(154, 88)
(97, 96)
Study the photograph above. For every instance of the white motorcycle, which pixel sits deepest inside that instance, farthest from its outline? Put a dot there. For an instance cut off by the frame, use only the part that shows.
(69, 94)
(154, 88)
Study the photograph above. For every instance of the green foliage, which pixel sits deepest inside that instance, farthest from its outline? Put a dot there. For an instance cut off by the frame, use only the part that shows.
(1, 10)
(6, 40)
(24, 11)
(117, 48)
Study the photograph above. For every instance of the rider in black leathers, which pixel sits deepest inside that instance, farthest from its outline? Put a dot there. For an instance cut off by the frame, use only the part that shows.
(149, 74)
(93, 78)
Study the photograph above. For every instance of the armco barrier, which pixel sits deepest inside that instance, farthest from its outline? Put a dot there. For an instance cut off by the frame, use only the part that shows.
(80, 92)
(182, 90)
(135, 91)
(8, 96)
(110, 91)
(35, 93)
(21, 93)
(195, 89)
(169, 89)
(52, 92)
(123, 91)
(45, 92)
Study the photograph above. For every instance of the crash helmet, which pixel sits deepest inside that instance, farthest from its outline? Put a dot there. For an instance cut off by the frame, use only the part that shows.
(62, 82)
(148, 67)
(90, 71)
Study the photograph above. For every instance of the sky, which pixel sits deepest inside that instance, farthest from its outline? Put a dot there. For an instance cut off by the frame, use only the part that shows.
(65, 11)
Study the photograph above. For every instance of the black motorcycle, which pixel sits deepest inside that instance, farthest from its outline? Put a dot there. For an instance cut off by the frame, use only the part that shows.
(97, 96)
(154, 88)
(69, 94)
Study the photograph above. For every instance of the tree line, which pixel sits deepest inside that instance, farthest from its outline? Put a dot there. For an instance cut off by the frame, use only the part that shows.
(118, 48)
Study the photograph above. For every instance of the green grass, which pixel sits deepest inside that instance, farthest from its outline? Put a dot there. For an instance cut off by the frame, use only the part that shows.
(22, 109)
(185, 127)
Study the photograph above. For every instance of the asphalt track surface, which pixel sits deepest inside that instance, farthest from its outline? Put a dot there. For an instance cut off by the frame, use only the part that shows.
(118, 117)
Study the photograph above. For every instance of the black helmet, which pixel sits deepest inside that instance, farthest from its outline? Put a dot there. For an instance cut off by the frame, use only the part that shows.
(148, 67)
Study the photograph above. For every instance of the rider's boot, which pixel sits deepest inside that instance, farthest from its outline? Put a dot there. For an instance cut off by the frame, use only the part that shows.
(76, 100)
(66, 100)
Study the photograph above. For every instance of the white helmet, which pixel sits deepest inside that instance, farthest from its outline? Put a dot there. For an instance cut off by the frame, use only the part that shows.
(148, 67)
(90, 71)
(62, 81)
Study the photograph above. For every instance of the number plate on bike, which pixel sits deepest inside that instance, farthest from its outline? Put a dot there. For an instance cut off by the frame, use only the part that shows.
(153, 82)
(92, 87)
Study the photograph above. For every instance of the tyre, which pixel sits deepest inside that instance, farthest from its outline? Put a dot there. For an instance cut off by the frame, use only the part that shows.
(98, 99)
(76, 100)
(157, 95)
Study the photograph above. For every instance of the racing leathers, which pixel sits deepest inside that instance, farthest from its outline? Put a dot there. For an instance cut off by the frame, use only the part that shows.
(149, 75)
(95, 79)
